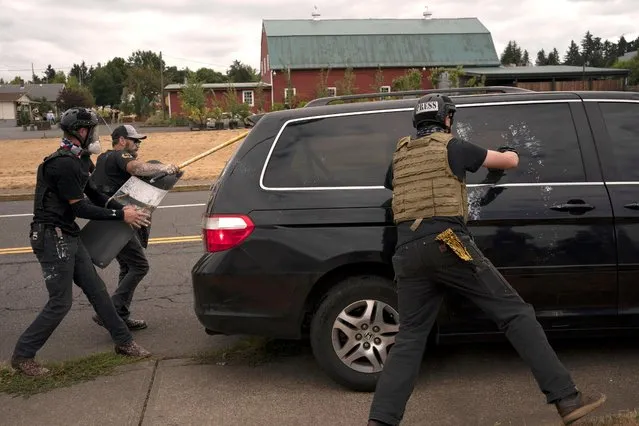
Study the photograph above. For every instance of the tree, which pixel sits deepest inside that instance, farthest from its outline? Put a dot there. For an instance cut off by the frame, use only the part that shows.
(622, 46)
(75, 97)
(104, 89)
(232, 105)
(512, 54)
(72, 81)
(553, 57)
(49, 74)
(453, 75)
(144, 80)
(411, 80)
(321, 91)
(35, 79)
(633, 66)
(259, 97)
(346, 86)
(207, 75)
(573, 56)
(541, 58)
(109, 81)
(592, 50)
(525, 59)
(59, 77)
(17, 80)
(378, 80)
(194, 100)
(44, 106)
(241, 73)
(81, 73)
(609, 53)
(175, 76)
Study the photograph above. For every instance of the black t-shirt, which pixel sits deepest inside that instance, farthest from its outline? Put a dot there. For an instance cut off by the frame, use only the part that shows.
(463, 157)
(110, 170)
(67, 177)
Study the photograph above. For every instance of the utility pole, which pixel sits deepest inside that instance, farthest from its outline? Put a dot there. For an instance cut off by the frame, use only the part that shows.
(162, 86)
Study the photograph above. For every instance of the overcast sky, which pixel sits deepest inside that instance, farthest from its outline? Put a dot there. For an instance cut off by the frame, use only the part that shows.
(213, 33)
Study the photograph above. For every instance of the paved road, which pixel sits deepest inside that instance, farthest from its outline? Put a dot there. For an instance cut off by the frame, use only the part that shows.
(164, 298)
(463, 384)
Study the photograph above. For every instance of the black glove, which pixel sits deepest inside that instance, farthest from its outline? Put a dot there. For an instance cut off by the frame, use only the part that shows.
(495, 174)
(507, 148)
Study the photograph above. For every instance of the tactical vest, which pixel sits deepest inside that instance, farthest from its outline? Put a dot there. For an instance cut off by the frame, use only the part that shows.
(424, 186)
(47, 202)
(104, 182)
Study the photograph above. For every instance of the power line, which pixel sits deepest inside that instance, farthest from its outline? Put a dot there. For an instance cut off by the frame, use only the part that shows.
(191, 60)
(31, 69)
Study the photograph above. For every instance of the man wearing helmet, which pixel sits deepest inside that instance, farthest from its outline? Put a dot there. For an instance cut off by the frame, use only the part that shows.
(61, 187)
(435, 252)
(113, 168)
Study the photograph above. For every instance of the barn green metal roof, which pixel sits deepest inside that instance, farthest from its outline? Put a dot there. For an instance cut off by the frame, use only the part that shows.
(359, 43)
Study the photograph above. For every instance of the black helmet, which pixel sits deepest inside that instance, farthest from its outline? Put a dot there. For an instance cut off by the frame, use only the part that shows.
(76, 118)
(433, 109)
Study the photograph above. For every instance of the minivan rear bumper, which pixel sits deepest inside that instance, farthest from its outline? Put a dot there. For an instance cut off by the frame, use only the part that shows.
(229, 300)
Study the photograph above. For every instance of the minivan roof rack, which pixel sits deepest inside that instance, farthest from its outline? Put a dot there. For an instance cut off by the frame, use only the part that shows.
(411, 93)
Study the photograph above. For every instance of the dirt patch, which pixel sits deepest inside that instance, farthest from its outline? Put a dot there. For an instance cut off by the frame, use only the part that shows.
(630, 418)
(20, 158)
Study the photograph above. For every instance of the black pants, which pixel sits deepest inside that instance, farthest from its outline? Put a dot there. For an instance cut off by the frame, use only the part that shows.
(133, 268)
(65, 260)
(424, 268)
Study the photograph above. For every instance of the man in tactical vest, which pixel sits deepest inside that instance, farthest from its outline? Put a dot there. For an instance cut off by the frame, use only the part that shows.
(113, 168)
(435, 252)
(62, 182)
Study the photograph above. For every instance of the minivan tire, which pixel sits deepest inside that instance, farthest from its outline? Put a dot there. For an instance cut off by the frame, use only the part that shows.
(353, 292)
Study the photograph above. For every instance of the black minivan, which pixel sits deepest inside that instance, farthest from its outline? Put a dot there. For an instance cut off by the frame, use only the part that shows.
(298, 235)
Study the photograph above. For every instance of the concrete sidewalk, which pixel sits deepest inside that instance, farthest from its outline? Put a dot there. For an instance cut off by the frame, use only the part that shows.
(293, 391)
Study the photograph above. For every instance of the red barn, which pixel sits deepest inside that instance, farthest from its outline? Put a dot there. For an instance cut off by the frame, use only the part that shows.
(256, 94)
(307, 58)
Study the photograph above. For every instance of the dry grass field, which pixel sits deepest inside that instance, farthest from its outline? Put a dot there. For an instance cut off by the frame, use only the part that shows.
(18, 165)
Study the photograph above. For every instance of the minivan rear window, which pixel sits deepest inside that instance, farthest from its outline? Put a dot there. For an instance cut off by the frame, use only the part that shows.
(544, 135)
(338, 151)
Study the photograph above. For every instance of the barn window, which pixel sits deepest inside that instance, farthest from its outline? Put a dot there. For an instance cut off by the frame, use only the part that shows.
(332, 91)
(288, 94)
(385, 89)
(247, 97)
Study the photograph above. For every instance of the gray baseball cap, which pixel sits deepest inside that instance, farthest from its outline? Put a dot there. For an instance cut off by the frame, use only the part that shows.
(127, 131)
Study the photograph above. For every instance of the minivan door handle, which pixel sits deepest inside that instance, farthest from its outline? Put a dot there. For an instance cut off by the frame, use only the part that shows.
(577, 206)
(632, 206)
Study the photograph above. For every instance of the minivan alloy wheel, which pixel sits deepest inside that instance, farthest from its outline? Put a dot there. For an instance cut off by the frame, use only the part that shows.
(363, 334)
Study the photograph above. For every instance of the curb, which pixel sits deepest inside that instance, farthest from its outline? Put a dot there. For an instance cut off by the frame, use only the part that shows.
(180, 188)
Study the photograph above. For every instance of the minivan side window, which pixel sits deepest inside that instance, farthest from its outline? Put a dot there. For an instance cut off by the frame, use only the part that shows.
(543, 134)
(338, 151)
(622, 124)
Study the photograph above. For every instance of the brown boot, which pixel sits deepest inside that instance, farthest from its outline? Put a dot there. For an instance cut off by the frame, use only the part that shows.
(132, 349)
(28, 366)
(576, 406)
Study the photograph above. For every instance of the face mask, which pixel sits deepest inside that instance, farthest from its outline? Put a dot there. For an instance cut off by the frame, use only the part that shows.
(94, 147)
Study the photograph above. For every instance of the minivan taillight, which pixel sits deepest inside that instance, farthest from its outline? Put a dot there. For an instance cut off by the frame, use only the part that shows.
(222, 232)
